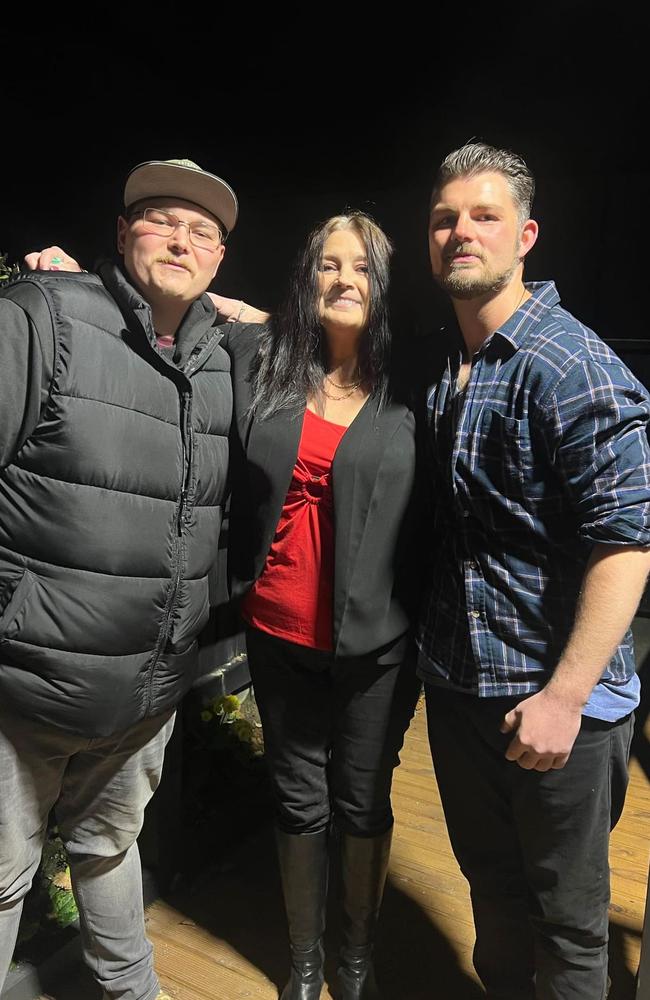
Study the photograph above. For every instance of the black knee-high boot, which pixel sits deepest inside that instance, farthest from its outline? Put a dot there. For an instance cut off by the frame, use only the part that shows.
(303, 868)
(364, 865)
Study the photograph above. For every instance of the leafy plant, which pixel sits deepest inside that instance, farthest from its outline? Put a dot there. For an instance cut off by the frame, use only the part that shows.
(7, 270)
(225, 723)
(64, 909)
(50, 904)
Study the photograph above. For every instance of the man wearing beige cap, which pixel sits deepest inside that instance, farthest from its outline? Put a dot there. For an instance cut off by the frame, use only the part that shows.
(115, 405)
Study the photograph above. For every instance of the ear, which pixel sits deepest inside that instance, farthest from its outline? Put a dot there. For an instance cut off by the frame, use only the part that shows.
(219, 257)
(122, 226)
(528, 237)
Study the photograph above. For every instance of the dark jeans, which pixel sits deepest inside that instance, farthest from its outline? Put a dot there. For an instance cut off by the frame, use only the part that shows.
(333, 729)
(533, 846)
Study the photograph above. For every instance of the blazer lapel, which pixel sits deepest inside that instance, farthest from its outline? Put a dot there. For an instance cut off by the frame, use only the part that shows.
(356, 464)
(271, 451)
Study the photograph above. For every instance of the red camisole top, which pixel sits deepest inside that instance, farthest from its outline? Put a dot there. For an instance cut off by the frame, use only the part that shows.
(292, 598)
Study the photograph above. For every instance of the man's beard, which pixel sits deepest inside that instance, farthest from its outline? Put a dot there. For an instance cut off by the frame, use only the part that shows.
(464, 283)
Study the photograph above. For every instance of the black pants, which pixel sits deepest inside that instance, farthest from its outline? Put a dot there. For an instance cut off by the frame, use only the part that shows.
(533, 846)
(333, 729)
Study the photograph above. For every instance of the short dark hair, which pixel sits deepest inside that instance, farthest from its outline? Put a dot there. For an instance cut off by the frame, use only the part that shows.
(478, 158)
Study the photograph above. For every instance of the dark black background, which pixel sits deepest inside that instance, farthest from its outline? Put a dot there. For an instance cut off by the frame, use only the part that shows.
(311, 111)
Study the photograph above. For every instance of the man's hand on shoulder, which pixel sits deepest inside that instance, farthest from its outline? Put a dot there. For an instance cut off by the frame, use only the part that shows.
(236, 310)
(51, 259)
(545, 728)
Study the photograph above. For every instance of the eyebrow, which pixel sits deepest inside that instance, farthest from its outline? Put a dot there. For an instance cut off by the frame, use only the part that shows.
(334, 256)
(483, 207)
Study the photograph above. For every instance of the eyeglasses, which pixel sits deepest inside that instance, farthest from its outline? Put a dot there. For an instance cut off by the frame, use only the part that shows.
(201, 234)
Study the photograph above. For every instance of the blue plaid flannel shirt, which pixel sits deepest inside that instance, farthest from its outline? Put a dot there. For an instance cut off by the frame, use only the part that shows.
(544, 455)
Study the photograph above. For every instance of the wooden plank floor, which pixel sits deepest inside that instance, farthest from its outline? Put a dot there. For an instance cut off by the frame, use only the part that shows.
(224, 938)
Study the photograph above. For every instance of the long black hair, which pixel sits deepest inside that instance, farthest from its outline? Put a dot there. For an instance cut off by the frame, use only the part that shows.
(291, 362)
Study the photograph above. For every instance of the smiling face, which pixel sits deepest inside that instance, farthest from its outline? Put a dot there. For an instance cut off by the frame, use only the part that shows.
(343, 283)
(477, 240)
(168, 269)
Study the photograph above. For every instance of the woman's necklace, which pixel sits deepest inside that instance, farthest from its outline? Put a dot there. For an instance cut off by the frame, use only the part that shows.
(523, 296)
(346, 395)
(350, 387)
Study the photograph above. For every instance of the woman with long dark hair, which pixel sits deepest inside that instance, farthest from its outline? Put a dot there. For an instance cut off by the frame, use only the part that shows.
(321, 548)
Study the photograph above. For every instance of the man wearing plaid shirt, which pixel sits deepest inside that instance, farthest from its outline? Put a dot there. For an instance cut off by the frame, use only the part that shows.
(541, 468)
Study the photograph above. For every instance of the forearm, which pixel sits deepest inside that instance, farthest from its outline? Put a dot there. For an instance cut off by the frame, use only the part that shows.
(545, 725)
(611, 590)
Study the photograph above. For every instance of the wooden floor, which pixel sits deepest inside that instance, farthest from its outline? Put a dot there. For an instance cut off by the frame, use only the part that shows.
(224, 938)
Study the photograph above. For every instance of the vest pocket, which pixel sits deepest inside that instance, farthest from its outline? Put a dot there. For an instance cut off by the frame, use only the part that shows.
(9, 625)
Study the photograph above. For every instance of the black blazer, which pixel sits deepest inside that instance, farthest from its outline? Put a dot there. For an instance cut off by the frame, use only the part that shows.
(375, 507)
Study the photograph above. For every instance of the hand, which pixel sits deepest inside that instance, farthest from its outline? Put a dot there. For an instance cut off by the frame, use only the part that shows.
(545, 729)
(228, 310)
(237, 311)
(50, 259)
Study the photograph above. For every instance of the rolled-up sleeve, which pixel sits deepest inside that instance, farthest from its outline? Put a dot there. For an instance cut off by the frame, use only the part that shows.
(597, 419)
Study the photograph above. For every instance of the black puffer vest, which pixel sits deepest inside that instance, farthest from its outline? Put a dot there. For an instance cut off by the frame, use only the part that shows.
(111, 509)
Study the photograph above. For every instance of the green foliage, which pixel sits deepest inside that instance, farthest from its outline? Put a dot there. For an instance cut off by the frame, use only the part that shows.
(7, 270)
(64, 909)
(224, 724)
(50, 904)
(226, 708)
(54, 858)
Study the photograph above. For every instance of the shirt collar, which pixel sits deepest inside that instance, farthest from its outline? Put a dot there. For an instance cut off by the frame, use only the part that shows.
(544, 296)
(199, 320)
